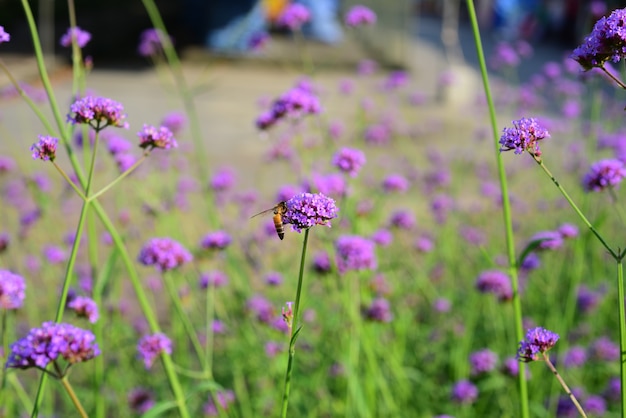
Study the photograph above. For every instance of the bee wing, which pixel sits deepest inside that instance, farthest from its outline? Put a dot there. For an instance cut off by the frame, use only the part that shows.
(264, 212)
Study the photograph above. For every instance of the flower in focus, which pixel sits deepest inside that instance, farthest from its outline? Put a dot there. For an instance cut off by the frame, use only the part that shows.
(496, 282)
(603, 174)
(140, 400)
(355, 253)
(524, 136)
(217, 240)
(164, 253)
(482, 361)
(294, 16)
(4, 37)
(464, 392)
(97, 112)
(307, 209)
(84, 307)
(82, 37)
(46, 344)
(150, 137)
(150, 42)
(223, 399)
(606, 42)
(538, 340)
(45, 149)
(360, 15)
(151, 346)
(349, 161)
(12, 290)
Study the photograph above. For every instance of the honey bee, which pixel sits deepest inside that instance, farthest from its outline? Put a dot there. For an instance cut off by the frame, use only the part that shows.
(279, 210)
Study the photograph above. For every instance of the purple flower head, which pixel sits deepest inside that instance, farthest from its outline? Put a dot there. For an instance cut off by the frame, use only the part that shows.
(140, 400)
(575, 357)
(379, 311)
(595, 405)
(273, 348)
(307, 209)
(223, 179)
(46, 344)
(54, 254)
(395, 183)
(118, 145)
(424, 244)
(612, 391)
(396, 79)
(604, 349)
(321, 262)
(223, 398)
(174, 121)
(151, 137)
(496, 282)
(97, 112)
(6, 164)
(75, 33)
(442, 305)
(587, 299)
(45, 149)
(382, 237)
(262, 308)
(482, 361)
(12, 290)
(4, 37)
(530, 262)
(349, 161)
(124, 161)
(550, 240)
(150, 42)
(5, 240)
(603, 174)
(273, 278)
(538, 340)
(606, 42)
(217, 240)
(330, 185)
(378, 134)
(464, 392)
(360, 15)
(164, 254)
(213, 278)
(524, 136)
(568, 230)
(151, 346)
(504, 56)
(294, 16)
(84, 307)
(355, 253)
(402, 219)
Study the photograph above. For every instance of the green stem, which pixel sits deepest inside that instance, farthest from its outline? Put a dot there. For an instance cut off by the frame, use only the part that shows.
(69, 181)
(117, 180)
(563, 384)
(506, 209)
(295, 329)
(617, 80)
(210, 315)
(622, 331)
(73, 397)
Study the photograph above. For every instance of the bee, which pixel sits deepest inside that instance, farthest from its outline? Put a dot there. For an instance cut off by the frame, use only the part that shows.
(279, 210)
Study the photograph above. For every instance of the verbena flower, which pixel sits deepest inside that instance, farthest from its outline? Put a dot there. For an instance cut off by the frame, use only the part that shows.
(97, 112)
(294, 16)
(321, 262)
(262, 308)
(217, 240)
(4, 37)
(12, 290)
(273, 278)
(360, 15)
(495, 282)
(85, 307)
(215, 278)
(7, 164)
(538, 340)
(379, 310)
(307, 209)
(295, 103)
(140, 400)
(403, 219)
(5, 240)
(482, 361)
(355, 253)
(604, 349)
(395, 183)
(606, 42)
(464, 392)
(150, 42)
(574, 357)
(333, 184)
(164, 254)
(524, 136)
(175, 121)
(54, 254)
(595, 405)
(50, 342)
(117, 145)
(603, 174)
(223, 179)
(82, 37)
(45, 149)
(349, 161)
(151, 346)
(151, 137)
(550, 240)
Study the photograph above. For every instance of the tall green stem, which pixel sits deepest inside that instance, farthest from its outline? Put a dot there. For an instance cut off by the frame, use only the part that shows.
(506, 208)
(622, 330)
(73, 397)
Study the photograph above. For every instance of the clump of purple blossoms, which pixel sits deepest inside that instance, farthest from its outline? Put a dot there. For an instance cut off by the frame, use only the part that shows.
(217, 240)
(604, 349)
(140, 400)
(46, 344)
(575, 357)
(379, 310)
(549, 240)
(4, 37)
(151, 137)
(464, 392)
(349, 161)
(223, 398)
(12, 290)
(45, 149)
(496, 282)
(294, 103)
(395, 183)
(150, 42)
(355, 253)
(294, 16)
(538, 340)
(360, 15)
(603, 174)
(524, 136)
(321, 262)
(483, 361)
(164, 254)
(307, 209)
(82, 37)
(606, 42)
(84, 307)
(214, 278)
(402, 219)
(223, 179)
(151, 346)
(97, 112)
(174, 121)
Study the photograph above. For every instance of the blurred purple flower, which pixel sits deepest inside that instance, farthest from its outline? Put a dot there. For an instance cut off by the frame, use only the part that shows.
(538, 340)
(273, 278)
(294, 16)
(140, 400)
(403, 219)
(217, 240)
(550, 240)
(464, 392)
(379, 310)
(164, 254)
(261, 308)
(396, 79)
(4, 37)
(223, 179)
(395, 183)
(349, 161)
(382, 237)
(574, 357)
(603, 349)
(223, 398)
(359, 15)
(482, 361)
(12, 290)
(612, 391)
(442, 305)
(82, 37)
(174, 121)
(124, 161)
(150, 42)
(587, 299)
(594, 405)
(367, 67)
(568, 230)
(6, 164)
(117, 145)
(321, 262)
(85, 308)
(215, 278)
(378, 134)
(273, 348)
(355, 253)
(330, 185)
(603, 174)
(295, 103)
(5, 240)
(151, 346)
(424, 244)
(54, 254)
(495, 282)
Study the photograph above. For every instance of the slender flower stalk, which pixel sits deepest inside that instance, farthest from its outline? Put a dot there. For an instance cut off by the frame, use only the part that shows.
(569, 393)
(506, 208)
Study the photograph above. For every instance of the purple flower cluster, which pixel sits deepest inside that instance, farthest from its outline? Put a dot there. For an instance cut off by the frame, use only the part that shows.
(538, 340)
(84, 307)
(395, 183)
(151, 137)
(295, 103)
(12, 290)
(524, 136)
(379, 310)
(174, 121)
(4, 37)
(217, 240)
(603, 174)
(349, 161)
(150, 42)
(549, 240)
(360, 15)
(321, 262)
(294, 16)
(223, 179)
(355, 253)
(307, 209)
(140, 400)
(483, 361)
(97, 112)
(496, 282)
(464, 392)
(46, 344)
(151, 346)
(45, 149)
(606, 42)
(215, 278)
(82, 37)
(164, 253)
